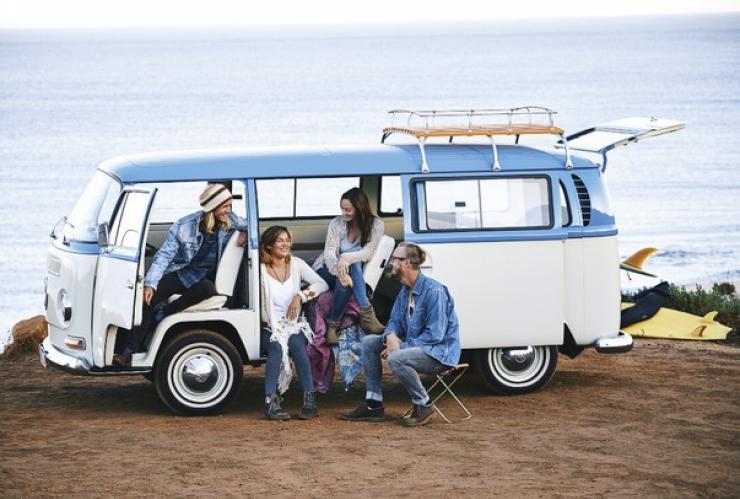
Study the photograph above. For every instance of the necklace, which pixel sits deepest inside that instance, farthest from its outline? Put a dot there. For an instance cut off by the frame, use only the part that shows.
(277, 276)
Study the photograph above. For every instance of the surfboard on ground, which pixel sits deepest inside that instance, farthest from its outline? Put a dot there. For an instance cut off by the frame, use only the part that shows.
(672, 324)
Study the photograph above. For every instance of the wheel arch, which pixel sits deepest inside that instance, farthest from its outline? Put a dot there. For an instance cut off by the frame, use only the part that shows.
(225, 329)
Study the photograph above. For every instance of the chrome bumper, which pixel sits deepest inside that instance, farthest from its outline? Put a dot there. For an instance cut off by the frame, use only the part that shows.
(50, 356)
(616, 344)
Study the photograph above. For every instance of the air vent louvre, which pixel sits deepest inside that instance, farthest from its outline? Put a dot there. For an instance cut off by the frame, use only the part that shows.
(583, 199)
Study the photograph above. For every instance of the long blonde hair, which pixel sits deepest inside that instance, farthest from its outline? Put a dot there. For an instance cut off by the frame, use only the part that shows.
(210, 223)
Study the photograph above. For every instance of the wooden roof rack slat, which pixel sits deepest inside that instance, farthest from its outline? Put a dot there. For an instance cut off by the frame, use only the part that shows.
(527, 120)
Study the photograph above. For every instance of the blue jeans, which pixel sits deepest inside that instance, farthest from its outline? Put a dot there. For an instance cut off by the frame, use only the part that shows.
(406, 364)
(297, 349)
(342, 294)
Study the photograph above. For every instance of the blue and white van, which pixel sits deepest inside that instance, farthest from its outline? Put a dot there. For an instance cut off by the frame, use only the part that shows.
(524, 237)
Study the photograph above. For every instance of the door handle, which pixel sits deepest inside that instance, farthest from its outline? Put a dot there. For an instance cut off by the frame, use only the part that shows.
(129, 284)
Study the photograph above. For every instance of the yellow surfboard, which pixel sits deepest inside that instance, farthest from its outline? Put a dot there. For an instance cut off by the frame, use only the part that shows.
(669, 323)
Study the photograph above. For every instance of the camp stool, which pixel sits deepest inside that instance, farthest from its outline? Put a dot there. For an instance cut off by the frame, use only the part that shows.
(443, 384)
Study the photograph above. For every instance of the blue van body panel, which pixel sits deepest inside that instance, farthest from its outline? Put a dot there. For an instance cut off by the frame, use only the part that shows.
(383, 159)
(277, 162)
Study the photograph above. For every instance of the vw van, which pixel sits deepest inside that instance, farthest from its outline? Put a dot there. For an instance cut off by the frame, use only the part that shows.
(524, 237)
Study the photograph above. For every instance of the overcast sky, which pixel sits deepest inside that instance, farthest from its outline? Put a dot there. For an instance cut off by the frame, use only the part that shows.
(150, 13)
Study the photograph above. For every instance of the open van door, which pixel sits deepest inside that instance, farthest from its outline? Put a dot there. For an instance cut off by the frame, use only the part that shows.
(120, 274)
(603, 138)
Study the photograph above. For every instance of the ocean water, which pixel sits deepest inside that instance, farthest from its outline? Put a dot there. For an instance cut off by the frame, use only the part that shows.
(71, 99)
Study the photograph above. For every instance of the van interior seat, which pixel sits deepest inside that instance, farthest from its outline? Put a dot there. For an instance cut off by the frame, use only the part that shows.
(226, 274)
(373, 268)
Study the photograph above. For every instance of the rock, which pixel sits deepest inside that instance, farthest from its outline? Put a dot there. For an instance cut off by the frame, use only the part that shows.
(27, 335)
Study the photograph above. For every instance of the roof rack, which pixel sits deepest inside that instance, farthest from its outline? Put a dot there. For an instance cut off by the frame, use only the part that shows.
(517, 121)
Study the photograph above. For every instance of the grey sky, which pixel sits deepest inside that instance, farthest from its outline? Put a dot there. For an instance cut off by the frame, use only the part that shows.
(150, 13)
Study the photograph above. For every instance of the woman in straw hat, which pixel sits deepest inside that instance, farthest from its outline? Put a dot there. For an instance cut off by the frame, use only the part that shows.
(186, 263)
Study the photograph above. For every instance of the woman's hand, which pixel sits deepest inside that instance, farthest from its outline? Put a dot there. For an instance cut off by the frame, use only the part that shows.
(294, 307)
(342, 266)
(343, 273)
(148, 294)
(242, 239)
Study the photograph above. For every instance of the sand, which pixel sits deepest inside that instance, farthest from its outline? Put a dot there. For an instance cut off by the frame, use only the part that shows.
(662, 420)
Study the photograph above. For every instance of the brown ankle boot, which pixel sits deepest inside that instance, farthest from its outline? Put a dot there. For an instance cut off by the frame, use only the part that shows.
(331, 332)
(369, 322)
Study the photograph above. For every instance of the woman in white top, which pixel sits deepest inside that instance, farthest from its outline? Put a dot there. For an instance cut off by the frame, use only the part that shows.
(352, 239)
(283, 332)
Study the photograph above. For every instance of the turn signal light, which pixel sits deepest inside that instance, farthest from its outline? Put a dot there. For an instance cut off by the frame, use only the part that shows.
(75, 342)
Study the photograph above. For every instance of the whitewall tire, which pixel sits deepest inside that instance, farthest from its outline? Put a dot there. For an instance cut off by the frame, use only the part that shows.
(198, 373)
(516, 370)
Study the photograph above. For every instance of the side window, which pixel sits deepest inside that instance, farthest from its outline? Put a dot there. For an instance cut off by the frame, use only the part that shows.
(565, 207)
(275, 198)
(319, 197)
(303, 197)
(515, 203)
(501, 203)
(174, 200)
(129, 220)
(391, 200)
(453, 204)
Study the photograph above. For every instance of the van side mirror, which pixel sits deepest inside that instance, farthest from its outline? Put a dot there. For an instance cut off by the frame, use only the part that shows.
(103, 235)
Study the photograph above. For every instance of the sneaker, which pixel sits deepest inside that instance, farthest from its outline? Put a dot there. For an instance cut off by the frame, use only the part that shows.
(364, 413)
(420, 415)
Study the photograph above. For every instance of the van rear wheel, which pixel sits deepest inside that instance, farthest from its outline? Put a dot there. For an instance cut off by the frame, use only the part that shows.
(516, 370)
(198, 373)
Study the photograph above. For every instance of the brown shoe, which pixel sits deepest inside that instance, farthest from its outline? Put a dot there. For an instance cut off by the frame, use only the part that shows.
(331, 332)
(369, 323)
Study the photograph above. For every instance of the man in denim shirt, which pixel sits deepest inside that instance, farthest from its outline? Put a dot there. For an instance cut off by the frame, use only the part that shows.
(422, 335)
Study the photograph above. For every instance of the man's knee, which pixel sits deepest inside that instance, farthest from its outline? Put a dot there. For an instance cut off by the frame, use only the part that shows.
(373, 343)
(395, 361)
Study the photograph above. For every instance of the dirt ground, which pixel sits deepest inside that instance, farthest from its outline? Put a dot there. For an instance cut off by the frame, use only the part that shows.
(662, 420)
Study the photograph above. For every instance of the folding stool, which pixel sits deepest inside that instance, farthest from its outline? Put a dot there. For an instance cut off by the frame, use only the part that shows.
(445, 380)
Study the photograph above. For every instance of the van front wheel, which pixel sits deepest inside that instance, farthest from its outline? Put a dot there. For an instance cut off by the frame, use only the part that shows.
(516, 370)
(198, 373)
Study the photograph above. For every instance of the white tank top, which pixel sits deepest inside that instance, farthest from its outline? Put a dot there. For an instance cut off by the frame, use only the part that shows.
(281, 294)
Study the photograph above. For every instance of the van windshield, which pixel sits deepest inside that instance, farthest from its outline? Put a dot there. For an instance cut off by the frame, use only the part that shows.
(95, 206)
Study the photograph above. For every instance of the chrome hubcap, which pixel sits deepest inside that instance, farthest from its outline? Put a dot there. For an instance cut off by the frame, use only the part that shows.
(200, 375)
(518, 365)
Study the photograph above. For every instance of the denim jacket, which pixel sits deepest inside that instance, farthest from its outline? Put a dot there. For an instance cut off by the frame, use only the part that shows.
(433, 326)
(182, 243)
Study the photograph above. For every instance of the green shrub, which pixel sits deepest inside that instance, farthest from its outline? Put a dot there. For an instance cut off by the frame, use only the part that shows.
(723, 298)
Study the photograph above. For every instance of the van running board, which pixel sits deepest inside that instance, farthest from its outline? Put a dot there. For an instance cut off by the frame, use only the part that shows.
(118, 371)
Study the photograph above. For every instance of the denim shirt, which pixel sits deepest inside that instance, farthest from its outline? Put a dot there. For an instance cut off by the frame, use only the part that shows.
(204, 264)
(432, 326)
(182, 243)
